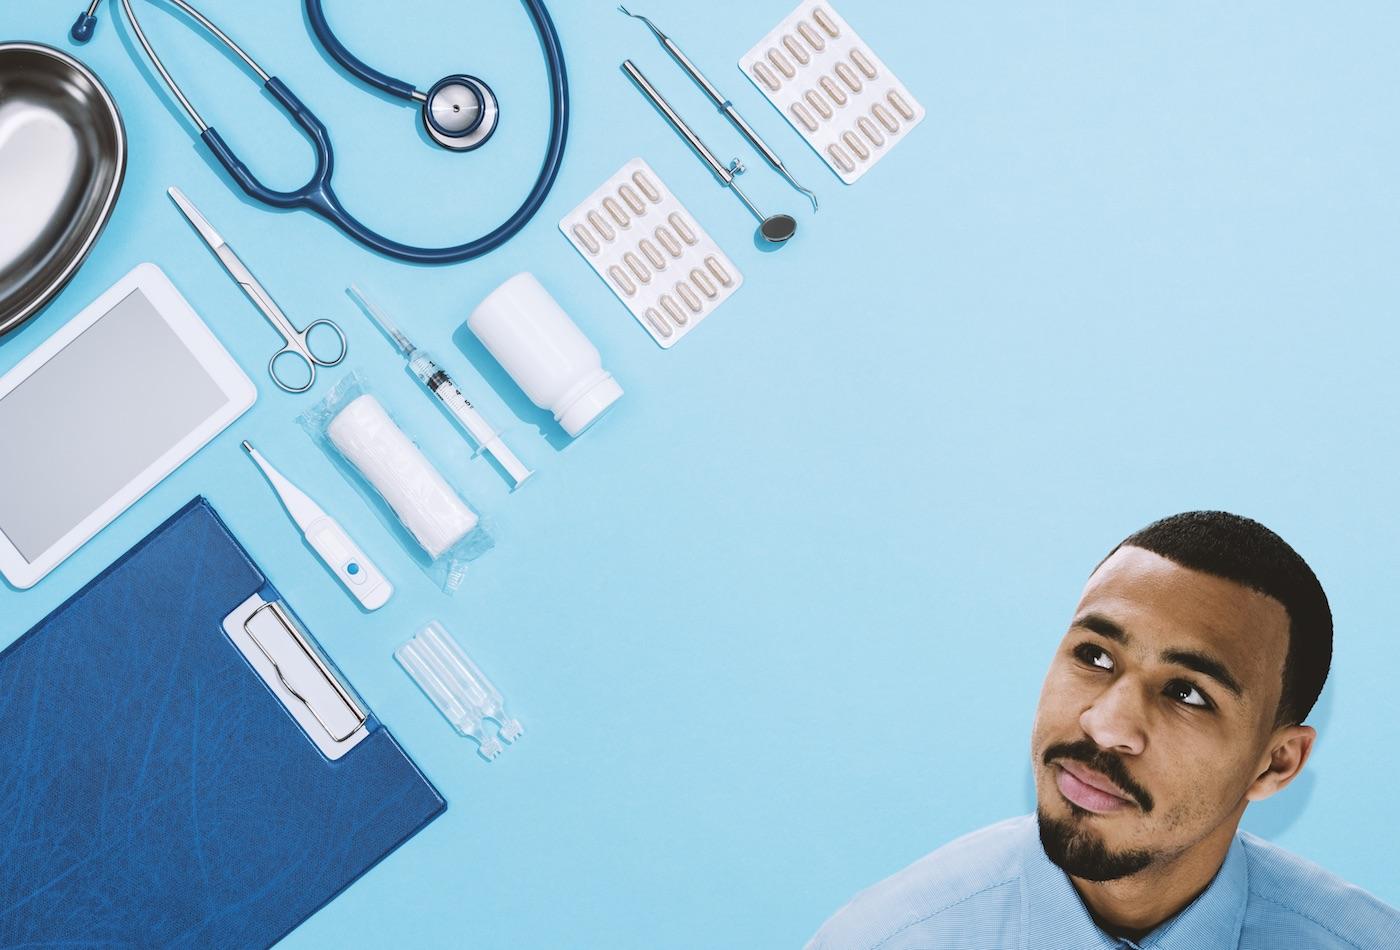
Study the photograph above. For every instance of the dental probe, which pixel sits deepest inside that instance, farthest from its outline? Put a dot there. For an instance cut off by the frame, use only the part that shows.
(776, 228)
(723, 104)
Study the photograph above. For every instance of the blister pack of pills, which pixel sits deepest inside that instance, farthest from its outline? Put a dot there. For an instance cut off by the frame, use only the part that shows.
(651, 252)
(836, 93)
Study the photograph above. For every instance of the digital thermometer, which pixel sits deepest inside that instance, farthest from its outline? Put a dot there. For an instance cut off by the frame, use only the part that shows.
(329, 540)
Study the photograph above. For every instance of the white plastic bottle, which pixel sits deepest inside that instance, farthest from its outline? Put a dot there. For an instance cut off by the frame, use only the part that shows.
(545, 352)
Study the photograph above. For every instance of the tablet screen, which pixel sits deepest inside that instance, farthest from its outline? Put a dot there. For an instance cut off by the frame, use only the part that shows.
(104, 408)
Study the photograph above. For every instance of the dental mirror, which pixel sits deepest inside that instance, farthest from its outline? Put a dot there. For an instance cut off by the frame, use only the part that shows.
(777, 228)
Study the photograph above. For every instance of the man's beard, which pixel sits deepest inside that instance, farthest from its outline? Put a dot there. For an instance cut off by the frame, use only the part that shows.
(1077, 849)
(1081, 853)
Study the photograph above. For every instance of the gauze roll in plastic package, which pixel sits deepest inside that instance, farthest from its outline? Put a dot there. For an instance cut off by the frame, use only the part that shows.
(388, 460)
(356, 429)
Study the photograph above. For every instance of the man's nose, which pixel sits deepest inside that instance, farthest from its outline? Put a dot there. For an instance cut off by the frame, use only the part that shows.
(1116, 719)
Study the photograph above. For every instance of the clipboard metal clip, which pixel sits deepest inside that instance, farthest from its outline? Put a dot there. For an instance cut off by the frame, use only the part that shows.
(289, 663)
(290, 630)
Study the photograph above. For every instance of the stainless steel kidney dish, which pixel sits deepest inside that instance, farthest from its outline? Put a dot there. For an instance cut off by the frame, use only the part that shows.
(62, 158)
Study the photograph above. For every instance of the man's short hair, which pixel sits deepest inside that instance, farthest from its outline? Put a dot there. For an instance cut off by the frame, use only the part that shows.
(1244, 551)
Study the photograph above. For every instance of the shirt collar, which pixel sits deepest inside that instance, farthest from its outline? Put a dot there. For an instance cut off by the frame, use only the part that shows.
(1054, 915)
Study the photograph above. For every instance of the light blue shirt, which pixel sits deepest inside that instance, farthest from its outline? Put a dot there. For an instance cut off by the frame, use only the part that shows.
(996, 890)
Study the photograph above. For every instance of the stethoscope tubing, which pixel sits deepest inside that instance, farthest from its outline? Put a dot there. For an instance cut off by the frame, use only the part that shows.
(317, 195)
(352, 63)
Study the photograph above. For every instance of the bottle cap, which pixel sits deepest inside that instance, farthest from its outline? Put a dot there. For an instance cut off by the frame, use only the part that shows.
(589, 406)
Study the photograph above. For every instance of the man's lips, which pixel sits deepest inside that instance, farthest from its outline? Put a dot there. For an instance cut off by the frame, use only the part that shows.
(1089, 789)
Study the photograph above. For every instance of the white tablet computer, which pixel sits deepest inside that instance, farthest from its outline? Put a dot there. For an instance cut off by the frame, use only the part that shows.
(101, 412)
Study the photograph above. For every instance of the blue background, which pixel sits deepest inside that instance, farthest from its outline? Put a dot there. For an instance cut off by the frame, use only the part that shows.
(777, 625)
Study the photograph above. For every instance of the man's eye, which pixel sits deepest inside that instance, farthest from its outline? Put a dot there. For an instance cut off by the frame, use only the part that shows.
(1184, 692)
(1092, 655)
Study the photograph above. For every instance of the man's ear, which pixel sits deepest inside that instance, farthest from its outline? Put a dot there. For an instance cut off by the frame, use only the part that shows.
(1288, 752)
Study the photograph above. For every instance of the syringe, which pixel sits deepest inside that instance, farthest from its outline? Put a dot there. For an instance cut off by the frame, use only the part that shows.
(436, 381)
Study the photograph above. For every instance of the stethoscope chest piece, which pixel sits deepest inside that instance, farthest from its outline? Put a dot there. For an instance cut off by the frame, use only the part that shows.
(460, 112)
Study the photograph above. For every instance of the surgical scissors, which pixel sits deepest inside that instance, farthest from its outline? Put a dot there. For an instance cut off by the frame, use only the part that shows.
(296, 343)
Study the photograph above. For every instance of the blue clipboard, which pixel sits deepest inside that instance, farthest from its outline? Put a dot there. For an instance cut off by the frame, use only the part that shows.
(158, 787)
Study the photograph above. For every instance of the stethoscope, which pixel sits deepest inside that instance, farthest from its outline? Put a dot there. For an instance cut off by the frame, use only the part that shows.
(459, 112)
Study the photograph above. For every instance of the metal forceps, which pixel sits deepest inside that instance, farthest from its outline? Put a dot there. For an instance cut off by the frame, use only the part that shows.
(296, 343)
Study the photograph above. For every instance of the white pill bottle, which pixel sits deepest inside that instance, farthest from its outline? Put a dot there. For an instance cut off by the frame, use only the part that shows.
(545, 352)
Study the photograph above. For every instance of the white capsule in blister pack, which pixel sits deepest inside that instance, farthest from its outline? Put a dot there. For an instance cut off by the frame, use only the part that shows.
(651, 251)
(832, 88)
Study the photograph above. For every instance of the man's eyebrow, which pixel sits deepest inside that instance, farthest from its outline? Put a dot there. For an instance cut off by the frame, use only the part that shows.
(1205, 665)
(1104, 627)
(1202, 663)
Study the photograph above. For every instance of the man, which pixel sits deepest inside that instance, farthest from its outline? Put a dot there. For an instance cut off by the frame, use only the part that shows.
(1178, 696)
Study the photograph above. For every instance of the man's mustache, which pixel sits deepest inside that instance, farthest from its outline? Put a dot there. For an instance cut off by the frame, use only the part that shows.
(1085, 751)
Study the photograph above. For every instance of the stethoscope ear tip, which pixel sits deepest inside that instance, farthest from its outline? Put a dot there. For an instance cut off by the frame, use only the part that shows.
(83, 27)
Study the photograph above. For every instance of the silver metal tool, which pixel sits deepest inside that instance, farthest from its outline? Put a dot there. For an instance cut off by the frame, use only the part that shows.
(723, 104)
(775, 229)
(296, 344)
